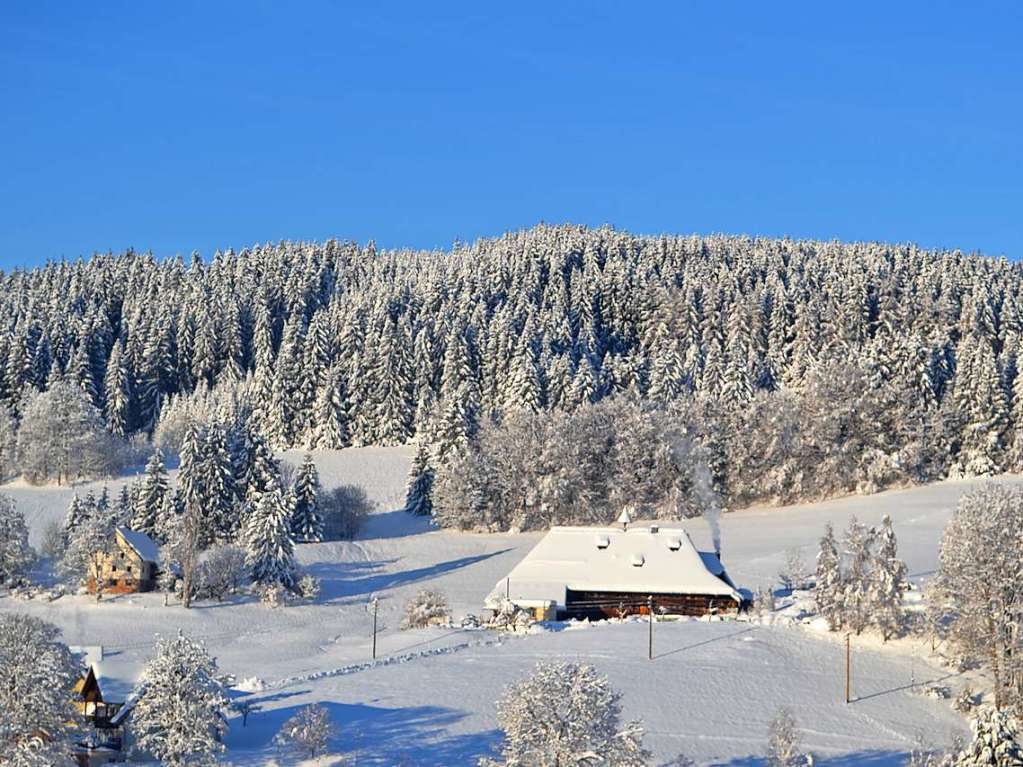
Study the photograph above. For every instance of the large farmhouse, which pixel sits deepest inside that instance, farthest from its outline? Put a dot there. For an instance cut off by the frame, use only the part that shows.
(601, 572)
(129, 566)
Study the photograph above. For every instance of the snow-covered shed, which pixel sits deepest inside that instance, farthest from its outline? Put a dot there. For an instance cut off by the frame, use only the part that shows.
(608, 571)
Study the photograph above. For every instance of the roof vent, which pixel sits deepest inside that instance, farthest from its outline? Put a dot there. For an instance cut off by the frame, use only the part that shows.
(674, 544)
(603, 541)
(638, 560)
(655, 529)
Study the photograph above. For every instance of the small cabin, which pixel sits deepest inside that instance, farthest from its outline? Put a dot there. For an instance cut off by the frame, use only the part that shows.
(129, 567)
(102, 741)
(605, 572)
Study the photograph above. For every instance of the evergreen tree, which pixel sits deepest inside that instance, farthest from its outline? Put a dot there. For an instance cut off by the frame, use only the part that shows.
(152, 491)
(306, 523)
(268, 543)
(829, 586)
(419, 496)
(856, 604)
(179, 716)
(887, 582)
(994, 742)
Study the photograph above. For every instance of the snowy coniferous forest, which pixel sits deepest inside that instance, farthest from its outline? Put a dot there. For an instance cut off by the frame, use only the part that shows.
(795, 369)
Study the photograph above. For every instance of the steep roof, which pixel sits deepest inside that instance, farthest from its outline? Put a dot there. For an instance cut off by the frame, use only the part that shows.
(142, 544)
(647, 559)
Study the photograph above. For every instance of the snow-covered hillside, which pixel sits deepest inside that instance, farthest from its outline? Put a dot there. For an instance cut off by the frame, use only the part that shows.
(429, 698)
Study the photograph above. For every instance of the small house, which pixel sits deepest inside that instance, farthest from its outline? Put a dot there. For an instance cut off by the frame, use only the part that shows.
(129, 566)
(601, 572)
(103, 739)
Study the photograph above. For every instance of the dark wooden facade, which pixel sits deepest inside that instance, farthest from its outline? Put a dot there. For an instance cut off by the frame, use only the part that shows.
(597, 605)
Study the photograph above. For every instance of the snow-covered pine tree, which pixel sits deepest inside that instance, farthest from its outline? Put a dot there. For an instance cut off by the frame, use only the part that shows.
(419, 495)
(306, 523)
(152, 490)
(887, 583)
(15, 554)
(179, 717)
(268, 543)
(117, 394)
(829, 585)
(994, 742)
(330, 413)
(858, 543)
(783, 743)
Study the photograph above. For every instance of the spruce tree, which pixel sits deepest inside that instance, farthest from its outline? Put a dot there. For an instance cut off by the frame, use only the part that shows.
(419, 495)
(829, 583)
(306, 522)
(153, 489)
(268, 542)
(887, 583)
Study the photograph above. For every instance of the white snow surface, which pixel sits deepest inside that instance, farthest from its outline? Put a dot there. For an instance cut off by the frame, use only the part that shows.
(428, 698)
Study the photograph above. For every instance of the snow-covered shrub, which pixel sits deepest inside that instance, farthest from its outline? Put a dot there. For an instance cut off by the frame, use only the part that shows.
(936, 692)
(470, 621)
(763, 602)
(309, 587)
(221, 572)
(308, 732)
(563, 711)
(36, 695)
(510, 617)
(427, 608)
(794, 573)
(783, 743)
(179, 717)
(52, 544)
(343, 511)
(272, 595)
(966, 701)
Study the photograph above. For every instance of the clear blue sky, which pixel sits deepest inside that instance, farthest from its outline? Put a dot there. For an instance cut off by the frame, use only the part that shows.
(181, 126)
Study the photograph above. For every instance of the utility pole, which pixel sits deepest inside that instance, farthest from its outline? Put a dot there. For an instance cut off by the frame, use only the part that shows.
(375, 603)
(848, 667)
(650, 637)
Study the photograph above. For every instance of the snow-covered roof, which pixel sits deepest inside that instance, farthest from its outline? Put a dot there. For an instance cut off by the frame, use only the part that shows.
(143, 545)
(642, 560)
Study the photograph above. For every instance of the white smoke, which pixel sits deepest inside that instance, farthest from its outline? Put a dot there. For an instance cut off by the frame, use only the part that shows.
(707, 500)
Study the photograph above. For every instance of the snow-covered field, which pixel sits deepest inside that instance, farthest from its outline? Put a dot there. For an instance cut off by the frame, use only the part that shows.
(429, 698)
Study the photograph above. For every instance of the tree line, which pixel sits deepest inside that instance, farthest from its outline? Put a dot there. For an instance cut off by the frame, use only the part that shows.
(806, 368)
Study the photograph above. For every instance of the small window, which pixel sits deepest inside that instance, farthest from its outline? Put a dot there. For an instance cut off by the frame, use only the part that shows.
(674, 544)
(638, 560)
(603, 541)
(129, 568)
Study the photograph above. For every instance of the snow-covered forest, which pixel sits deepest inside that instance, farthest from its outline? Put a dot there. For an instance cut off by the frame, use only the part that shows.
(800, 369)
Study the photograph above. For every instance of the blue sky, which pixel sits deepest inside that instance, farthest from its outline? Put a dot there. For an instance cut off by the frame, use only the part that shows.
(173, 127)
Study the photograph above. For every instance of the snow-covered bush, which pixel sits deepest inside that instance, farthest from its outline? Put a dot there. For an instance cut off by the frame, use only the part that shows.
(52, 544)
(272, 595)
(763, 602)
(794, 573)
(966, 701)
(343, 511)
(427, 608)
(221, 572)
(783, 743)
(308, 732)
(179, 717)
(565, 713)
(36, 695)
(309, 587)
(510, 617)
